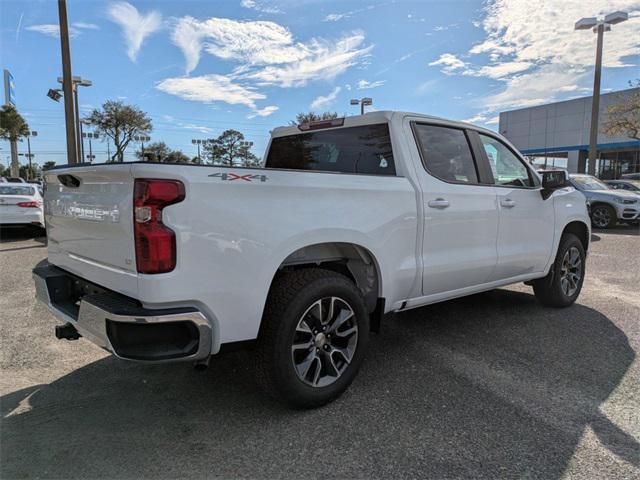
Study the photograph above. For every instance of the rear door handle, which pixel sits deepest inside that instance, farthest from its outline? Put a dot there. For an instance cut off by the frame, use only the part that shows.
(438, 203)
(507, 203)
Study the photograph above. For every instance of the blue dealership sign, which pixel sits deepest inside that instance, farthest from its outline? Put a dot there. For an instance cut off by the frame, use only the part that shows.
(9, 89)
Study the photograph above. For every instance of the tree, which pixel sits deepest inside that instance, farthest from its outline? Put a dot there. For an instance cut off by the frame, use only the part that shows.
(177, 156)
(48, 164)
(24, 171)
(154, 152)
(624, 117)
(121, 123)
(313, 117)
(12, 128)
(160, 152)
(228, 149)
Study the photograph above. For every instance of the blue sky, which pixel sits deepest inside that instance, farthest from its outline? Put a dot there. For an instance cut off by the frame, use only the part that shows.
(201, 67)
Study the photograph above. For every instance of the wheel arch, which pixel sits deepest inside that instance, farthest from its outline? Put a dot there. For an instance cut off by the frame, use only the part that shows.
(354, 261)
(580, 230)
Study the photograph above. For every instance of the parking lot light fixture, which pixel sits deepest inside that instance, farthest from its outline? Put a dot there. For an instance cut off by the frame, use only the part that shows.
(363, 102)
(599, 26)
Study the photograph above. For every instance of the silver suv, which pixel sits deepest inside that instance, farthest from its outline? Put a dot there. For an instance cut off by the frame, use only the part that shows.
(607, 206)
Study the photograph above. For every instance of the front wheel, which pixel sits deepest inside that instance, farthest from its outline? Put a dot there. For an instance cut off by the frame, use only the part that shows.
(603, 216)
(313, 338)
(561, 287)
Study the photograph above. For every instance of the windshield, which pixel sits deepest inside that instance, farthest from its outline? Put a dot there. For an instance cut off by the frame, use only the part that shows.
(16, 190)
(586, 182)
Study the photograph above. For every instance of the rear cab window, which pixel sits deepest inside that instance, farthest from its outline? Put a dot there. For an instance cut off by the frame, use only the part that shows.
(363, 149)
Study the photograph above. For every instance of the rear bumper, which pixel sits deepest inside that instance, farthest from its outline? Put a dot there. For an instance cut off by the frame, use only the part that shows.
(119, 324)
(30, 216)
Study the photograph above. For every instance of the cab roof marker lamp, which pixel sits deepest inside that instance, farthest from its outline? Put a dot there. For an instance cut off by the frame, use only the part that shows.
(320, 124)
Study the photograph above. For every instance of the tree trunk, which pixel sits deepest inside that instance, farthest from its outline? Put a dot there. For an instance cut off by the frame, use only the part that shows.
(15, 164)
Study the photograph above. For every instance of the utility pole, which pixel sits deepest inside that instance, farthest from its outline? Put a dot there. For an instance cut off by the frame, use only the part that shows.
(67, 84)
(78, 124)
(29, 154)
(595, 104)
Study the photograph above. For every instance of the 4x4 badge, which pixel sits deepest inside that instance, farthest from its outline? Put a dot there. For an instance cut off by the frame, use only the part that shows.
(234, 176)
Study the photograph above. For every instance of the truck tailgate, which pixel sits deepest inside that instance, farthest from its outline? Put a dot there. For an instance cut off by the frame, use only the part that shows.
(89, 219)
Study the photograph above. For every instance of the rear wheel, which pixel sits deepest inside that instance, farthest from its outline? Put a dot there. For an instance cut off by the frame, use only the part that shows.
(561, 287)
(313, 338)
(603, 216)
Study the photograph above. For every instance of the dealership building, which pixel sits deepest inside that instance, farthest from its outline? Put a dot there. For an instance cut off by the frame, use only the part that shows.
(557, 134)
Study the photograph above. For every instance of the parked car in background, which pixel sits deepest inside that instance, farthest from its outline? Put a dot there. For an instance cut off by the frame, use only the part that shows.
(15, 180)
(20, 205)
(607, 206)
(630, 176)
(624, 184)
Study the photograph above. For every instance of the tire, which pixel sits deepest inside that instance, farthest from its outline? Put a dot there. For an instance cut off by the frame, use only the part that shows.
(297, 302)
(560, 288)
(603, 216)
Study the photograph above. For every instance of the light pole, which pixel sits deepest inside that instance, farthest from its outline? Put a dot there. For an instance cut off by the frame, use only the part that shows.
(599, 27)
(67, 86)
(198, 142)
(90, 135)
(141, 139)
(78, 82)
(362, 102)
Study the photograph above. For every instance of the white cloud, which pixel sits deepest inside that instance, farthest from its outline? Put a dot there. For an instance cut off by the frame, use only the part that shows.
(323, 101)
(259, 6)
(531, 48)
(535, 51)
(86, 26)
(136, 27)
(499, 70)
(325, 61)
(365, 85)
(53, 29)
(49, 30)
(211, 88)
(335, 17)
(253, 44)
(449, 62)
(263, 112)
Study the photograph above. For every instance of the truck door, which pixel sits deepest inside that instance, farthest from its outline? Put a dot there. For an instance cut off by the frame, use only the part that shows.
(460, 211)
(525, 235)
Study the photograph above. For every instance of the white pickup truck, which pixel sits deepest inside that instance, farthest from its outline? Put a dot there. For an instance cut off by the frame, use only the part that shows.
(349, 219)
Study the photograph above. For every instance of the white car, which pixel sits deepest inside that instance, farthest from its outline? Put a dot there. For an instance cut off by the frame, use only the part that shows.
(349, 219)
(20, 205)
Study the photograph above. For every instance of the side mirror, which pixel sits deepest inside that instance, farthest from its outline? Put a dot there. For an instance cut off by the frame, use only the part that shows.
(553, 180)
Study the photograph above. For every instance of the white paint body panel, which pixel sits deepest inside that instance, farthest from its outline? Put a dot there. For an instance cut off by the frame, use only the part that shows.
(233, 235)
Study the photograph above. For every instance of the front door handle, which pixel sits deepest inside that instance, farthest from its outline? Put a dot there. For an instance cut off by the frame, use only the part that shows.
(438, 203)
(507, 203)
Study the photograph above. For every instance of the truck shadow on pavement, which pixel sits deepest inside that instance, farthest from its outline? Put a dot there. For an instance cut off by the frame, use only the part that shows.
(492, 385)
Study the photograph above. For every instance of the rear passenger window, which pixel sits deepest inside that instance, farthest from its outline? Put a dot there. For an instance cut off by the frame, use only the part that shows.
(446, 153)
(365, 149)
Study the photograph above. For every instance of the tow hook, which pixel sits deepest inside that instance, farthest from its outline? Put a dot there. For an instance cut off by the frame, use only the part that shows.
(202, 365)
(67, 331)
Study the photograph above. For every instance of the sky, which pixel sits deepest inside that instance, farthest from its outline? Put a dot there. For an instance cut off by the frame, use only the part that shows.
(200, 67)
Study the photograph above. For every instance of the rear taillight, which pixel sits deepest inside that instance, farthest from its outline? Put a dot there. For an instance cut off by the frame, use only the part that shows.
(29, 204)
(155, 242)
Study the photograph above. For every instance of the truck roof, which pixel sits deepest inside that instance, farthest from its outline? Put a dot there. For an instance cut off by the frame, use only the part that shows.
(381, 116)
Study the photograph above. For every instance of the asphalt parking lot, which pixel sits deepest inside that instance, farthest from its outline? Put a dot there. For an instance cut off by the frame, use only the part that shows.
(493, 385)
